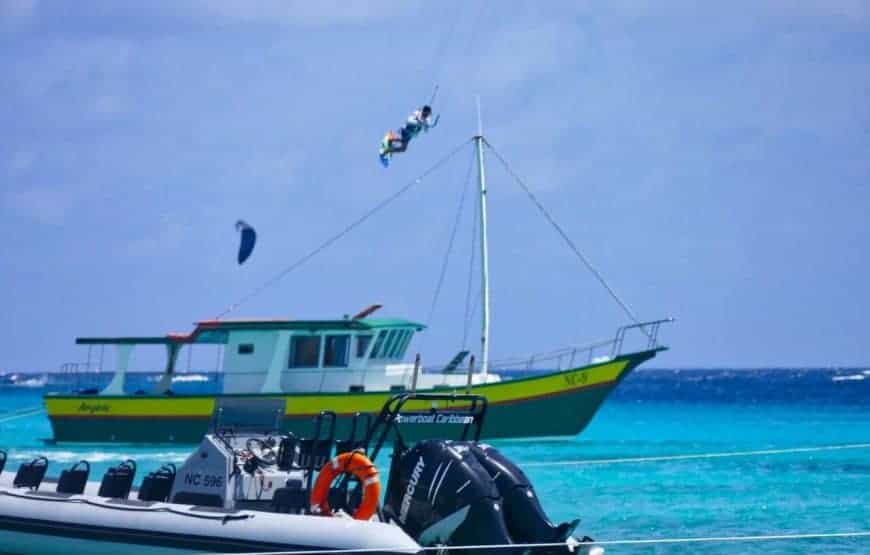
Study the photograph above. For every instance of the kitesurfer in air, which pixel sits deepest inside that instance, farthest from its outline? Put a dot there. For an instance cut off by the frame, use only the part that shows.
(420, 120)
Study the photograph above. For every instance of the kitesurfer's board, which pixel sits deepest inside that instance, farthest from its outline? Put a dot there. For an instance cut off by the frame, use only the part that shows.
(383, 151)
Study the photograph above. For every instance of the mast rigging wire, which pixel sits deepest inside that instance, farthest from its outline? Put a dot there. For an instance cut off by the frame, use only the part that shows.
(565, 237)
(350, 227)
(468, 310)
(446, 261)
(695, 456)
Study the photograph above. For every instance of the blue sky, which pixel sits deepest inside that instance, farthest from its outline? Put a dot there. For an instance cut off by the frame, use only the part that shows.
(711, 160)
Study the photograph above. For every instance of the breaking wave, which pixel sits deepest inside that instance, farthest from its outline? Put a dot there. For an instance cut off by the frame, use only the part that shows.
(851, 377)
(68, 456)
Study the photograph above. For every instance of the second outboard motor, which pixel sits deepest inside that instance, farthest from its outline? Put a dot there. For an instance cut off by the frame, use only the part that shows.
(441, 495)
(523, 514)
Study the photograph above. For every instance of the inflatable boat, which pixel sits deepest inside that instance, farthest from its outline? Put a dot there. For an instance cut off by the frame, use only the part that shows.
(248, 490)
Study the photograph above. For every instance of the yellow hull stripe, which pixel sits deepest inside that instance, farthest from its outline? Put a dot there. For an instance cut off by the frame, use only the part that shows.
(312, 403)
(97, 406)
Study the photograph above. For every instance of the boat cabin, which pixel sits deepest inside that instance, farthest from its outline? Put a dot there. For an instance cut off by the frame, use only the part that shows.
(284, 356)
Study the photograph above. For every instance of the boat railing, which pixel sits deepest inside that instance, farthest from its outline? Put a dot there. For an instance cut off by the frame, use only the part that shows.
(565, 357)
(76, 376)
(590, 353)
(467, 410)
(650, 329)
(72, 376)
(80, 367)
(91, 377)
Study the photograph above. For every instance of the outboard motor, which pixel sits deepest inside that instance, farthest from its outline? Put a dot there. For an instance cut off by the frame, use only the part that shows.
(523, 514)
(461, 493)
(441, 495)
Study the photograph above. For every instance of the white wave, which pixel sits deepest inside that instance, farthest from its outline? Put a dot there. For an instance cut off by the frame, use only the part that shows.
(32, 382)
(23, 380)
(191, 378)
(866, 372)
(96, 456)
(850, 377)
(186, 378)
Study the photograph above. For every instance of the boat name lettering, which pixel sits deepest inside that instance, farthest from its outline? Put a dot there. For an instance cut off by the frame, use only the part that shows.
(434, 419)
(93, 409)
(409, 491)
(204, 480)
(577, 378)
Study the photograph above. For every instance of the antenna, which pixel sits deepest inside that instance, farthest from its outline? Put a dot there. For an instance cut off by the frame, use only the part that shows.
(479, 118)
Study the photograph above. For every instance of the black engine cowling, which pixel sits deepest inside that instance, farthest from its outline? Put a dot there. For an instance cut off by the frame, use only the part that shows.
(525, 518)
(465, 493)
(440, 494)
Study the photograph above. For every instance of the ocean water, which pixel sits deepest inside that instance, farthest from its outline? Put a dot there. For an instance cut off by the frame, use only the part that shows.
(653, 413)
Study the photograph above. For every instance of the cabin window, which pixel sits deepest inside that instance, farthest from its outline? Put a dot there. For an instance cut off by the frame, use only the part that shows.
(390, 343)
(392, 340)
(246, 348)
(400, 344)
(379, 344)
(400, 352)
(304, 351)
(400, 340)
(362, 345)
(336, 351)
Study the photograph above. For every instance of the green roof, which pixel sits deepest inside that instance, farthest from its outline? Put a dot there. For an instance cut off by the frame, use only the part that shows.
(214, 331)
(392, 323)
(123, 340)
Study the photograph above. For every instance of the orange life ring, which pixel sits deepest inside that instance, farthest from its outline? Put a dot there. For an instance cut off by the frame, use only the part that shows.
(356, 463)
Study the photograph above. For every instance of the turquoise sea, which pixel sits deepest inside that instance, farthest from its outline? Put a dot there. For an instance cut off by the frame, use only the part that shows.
(654, 413)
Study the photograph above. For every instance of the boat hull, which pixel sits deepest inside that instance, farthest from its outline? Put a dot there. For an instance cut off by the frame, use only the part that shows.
(48, 524)
(555, 404)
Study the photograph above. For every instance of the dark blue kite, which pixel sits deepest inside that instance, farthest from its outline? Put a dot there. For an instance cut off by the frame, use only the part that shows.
(248, 240)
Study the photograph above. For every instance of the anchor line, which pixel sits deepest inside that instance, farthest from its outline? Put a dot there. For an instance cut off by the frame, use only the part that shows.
(694, 456)
(571, 545)
(23, 413)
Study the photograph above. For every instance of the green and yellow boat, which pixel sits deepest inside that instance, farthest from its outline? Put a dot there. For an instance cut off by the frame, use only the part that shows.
(349, 366)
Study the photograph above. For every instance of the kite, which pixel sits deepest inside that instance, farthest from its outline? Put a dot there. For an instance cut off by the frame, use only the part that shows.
(247, 242)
